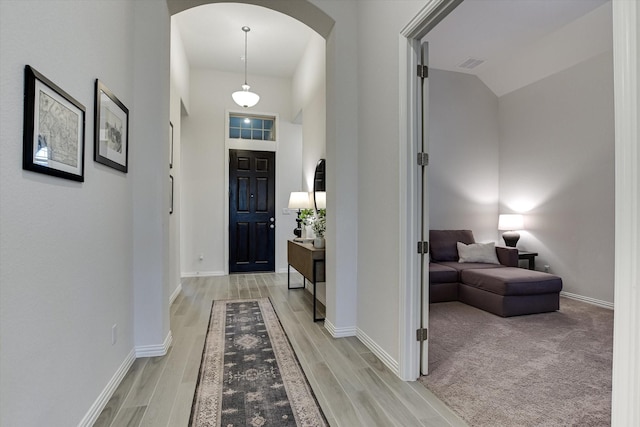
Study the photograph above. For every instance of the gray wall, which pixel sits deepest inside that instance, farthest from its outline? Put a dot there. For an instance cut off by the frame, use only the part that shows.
(72, 256)
(204, 195)
(557, 166)
(545, 150)
(379, 166)
(463, 155)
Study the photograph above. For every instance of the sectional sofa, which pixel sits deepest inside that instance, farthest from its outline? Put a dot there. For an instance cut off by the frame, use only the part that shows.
(487, 277)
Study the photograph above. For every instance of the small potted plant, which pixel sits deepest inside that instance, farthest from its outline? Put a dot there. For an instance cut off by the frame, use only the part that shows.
(319, 227)
(306, 215)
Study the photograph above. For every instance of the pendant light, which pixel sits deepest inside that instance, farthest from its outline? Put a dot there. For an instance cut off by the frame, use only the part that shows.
(243, 97)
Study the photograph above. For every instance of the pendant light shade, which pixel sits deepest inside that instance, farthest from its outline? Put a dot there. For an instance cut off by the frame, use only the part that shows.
(244, 97)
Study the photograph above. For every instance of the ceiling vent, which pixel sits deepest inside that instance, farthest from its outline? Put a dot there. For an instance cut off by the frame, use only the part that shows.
(471, 63)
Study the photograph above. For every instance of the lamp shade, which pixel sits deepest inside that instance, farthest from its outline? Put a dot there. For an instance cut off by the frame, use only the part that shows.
(299, 200)
(510, 222)
(244, 98)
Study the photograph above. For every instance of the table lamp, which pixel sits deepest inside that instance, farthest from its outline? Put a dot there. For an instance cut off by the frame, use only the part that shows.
(299, 200)
(511, 223)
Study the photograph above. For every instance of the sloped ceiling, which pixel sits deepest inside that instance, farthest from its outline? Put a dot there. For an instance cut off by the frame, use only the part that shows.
(518, 42)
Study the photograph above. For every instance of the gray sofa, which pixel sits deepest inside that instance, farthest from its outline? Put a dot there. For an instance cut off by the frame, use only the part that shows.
(502, 289)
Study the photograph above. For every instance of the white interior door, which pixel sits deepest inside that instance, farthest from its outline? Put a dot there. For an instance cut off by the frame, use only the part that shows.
(423, 207)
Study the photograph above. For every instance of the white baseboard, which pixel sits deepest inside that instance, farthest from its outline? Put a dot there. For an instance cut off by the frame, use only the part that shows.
(97, 407)
(156, 349)
(339, 332)
(221, 273)
(203, 274)
(588, 300)
(175, 293)
(389, 361)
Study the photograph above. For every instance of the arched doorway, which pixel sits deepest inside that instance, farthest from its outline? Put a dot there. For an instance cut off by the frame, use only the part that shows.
(306, 13)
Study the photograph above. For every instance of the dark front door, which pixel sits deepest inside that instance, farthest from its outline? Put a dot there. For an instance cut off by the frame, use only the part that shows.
(252, 187)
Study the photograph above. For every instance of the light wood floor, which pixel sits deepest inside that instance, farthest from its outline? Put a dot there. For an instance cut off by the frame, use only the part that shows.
(351, 384)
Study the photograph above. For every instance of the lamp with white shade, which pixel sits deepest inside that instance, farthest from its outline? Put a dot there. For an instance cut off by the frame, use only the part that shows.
(510, 223)
(299, 200)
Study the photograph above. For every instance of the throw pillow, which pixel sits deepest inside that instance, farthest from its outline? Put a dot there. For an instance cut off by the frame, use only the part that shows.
(478, 252)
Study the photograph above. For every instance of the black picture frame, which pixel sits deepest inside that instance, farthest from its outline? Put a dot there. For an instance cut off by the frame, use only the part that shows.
(171, 206)
(111, 130)
(171, 146)
(54, 129)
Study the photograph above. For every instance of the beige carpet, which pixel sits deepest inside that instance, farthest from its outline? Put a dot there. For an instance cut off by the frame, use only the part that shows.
(551, 369)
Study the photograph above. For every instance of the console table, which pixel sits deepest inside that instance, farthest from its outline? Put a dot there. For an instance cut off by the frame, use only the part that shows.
(309, 262)
(530, 256)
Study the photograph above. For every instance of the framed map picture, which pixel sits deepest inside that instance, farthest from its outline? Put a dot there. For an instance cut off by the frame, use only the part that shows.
(111, 139)
(54, 123)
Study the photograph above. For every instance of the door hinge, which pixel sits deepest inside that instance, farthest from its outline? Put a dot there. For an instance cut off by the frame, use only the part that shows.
(423, 159)
(422, 334)
(423, 71)
(423, 247)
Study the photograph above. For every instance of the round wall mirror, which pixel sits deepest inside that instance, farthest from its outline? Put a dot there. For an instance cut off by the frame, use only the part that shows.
(319, 186)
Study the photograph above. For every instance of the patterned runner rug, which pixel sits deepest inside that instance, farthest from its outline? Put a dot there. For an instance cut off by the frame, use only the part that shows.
(249, 374)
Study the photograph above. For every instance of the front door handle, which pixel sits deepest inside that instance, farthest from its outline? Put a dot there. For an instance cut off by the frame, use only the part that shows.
(272, 226)
(272, 219)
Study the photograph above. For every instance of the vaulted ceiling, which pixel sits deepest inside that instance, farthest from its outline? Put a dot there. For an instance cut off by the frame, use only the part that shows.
(513, 42)
(213, 38)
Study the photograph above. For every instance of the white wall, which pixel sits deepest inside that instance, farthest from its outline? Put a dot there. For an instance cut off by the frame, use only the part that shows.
(309, 106)
(179, 67)
(204, 196)
(314, 137)
(378, 162)
(175, 172)
(341, 168)
(150, 154)
(179, 105)
(557, 167)
(463, 155)
(67, 251)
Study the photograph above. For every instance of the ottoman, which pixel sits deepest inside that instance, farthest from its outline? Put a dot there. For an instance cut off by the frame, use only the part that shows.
(510, 291)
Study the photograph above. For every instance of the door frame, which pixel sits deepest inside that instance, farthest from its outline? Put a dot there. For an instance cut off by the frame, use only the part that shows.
(409, 260)
(626, 67)
(235, 144)
(252, 210)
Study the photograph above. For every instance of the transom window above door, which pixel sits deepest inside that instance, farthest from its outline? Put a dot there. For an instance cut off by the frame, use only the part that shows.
(252, 127)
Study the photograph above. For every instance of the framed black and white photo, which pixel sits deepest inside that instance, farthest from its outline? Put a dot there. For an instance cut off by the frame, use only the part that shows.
(53, 141)
(171, 145)
(111, 138)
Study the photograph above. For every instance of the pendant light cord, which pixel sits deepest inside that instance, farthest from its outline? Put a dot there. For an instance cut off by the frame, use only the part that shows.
(246, 30)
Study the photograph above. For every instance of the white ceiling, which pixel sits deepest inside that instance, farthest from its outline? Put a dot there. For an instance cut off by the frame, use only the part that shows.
(511, 35)
(213, 38)
(500, 32)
